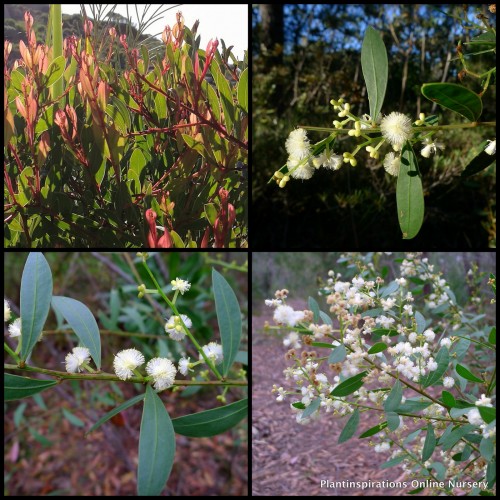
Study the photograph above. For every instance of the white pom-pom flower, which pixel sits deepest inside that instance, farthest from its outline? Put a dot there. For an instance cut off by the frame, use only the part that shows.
(396, 128)
(174, 327)
(213, 351)
(181, 285)
(126, 362)
(75, 359)
(163, 372)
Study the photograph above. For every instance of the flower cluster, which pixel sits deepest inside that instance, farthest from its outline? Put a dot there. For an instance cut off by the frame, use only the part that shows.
(395, 129)
(392, 340)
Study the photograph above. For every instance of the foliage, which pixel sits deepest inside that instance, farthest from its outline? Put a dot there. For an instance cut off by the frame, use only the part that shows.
(97, 165)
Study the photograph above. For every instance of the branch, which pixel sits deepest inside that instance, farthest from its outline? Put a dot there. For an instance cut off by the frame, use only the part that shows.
(111, 377)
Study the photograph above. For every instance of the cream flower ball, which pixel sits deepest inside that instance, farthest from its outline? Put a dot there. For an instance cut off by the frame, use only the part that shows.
(396, 128)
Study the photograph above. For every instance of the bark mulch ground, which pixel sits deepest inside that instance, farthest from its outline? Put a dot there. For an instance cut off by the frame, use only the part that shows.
(290, 459)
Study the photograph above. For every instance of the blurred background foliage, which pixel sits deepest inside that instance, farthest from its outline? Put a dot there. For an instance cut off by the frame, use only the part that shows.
(305, 55)
(301, 272)
(45, 449)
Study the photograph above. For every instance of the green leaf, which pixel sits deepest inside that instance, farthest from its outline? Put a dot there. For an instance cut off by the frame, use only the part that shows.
(243, 90)
(488, 413)
(299, 405)
(338, 354)
(55, 71)
(350, 427)
(326, 319)
(453, 437)
(393, 462)
(430, 443)
(448, 399)
(15, 387)
(378, 347)
(374, 66)
(409, 194)
(442, 360)
(36, 292)
(211, 422)
(492, 338)
(420, 322)
(226, 97)
(241, 357)
(156, 446)
(145, 55)
(314, 307)
(311, 408)
(72, 419)
(349, 386)
(491, 473)
(82, 322)
(480, 162)
(389, 289)
(373, 430)
(456, 98)
(228, 317)
(118, 112)
(486, 448)
(393, 420)
(115, 411)
(463, 372)
(394, 399)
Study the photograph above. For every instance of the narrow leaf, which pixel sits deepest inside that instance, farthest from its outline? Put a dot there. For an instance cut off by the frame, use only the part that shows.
(455, 436)
(480, 162)
(455, 97)
(211, 422)
(72, 419)
(378, 347)
(314, 307)
(430, 443)
(374, 430)
(350, 427)
(326, 319)
(486, 448)
(442, 360)
(393, 420)
(409, 194)
(16, 387)
(82, 322)
(420, 322)
(463, 372)
(349, 386)
(228, 317)
(243, 90)
(492, 337)
(448, 399)
(488, 414)
(394, 399)
(338, 354)
(311, 408)
(55, 71)
(156, 446)
(389, 289)
(36, 292)
(375, 69)
(115, 411)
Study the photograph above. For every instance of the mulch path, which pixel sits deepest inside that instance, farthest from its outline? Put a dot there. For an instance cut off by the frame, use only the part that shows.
(289, 459)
